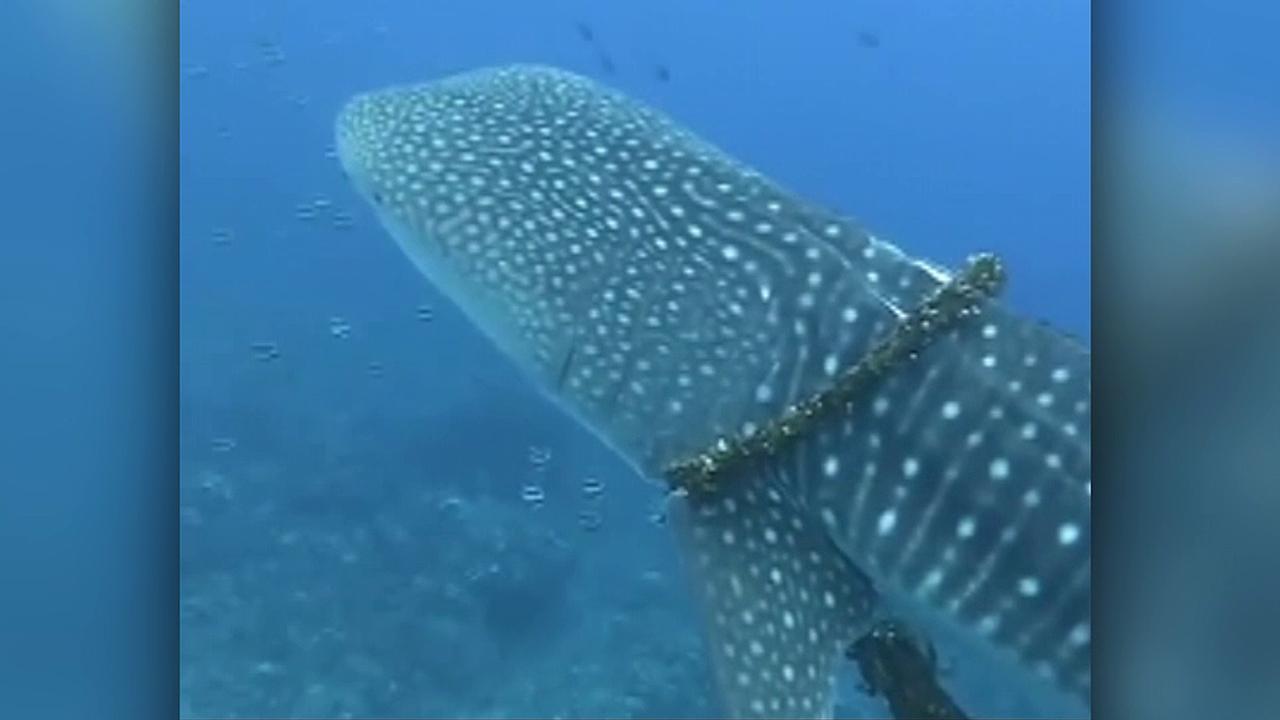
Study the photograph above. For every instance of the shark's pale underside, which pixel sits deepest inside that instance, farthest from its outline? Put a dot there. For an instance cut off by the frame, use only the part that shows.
(667, 295)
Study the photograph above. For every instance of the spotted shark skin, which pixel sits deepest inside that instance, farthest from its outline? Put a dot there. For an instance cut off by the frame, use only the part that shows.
(667, 295)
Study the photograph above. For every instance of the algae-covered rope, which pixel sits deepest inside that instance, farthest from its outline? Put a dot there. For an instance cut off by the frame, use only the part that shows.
(955, 300)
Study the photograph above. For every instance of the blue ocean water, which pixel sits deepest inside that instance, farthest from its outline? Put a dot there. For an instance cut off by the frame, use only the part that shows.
(358, 537)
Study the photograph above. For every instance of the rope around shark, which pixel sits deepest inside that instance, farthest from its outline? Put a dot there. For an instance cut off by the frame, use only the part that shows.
(954, 301)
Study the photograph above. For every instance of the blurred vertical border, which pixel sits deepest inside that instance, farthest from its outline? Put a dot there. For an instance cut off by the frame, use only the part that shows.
(88, 366)
(1187, 359)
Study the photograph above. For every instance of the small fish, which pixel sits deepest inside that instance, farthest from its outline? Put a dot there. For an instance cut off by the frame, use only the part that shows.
(424, 313)
(343, 220)
(376, 369)
(222, 236)
(190, 516)
(532, 494)
(662, 73)
(223, 444)
(606, 64)
(592, 487)
(868, 39)
(266, 667)
(539, 456)
(590, 520)
(304, 212)
(339, 328)
(264, 351)
(272, 54)
(197, 71)
(585, 32)
(216, 485)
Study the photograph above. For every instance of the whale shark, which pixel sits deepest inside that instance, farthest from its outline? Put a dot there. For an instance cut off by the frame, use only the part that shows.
(686, 310)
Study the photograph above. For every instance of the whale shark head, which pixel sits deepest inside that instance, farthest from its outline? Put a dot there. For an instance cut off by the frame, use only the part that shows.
(660, 289)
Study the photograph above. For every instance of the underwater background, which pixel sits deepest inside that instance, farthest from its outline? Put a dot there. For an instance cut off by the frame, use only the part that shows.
(379, 516)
